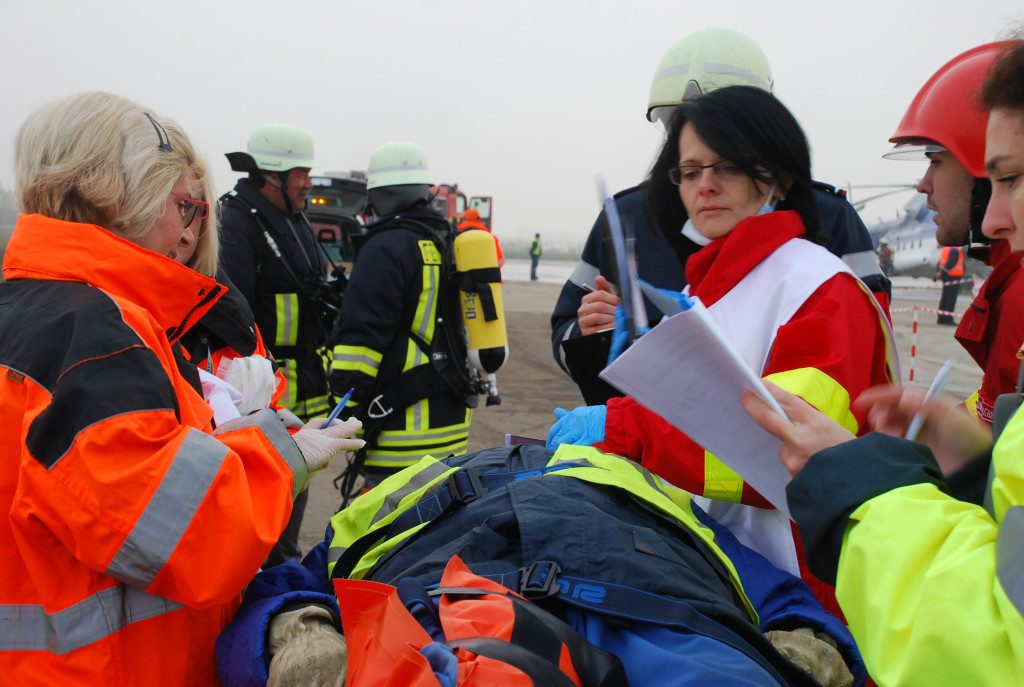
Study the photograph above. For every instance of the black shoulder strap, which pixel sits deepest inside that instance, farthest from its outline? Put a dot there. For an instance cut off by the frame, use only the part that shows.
(232, 200)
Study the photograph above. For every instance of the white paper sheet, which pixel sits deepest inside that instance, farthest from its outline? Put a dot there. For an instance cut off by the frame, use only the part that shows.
(689, 374)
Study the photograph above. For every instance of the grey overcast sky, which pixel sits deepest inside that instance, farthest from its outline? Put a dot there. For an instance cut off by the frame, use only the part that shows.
(522, 100)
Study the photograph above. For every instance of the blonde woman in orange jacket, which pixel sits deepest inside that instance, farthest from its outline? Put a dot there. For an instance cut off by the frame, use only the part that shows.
(131, 527)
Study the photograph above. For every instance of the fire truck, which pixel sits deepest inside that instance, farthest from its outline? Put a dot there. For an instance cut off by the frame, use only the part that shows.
(334, 206)
(451, 202)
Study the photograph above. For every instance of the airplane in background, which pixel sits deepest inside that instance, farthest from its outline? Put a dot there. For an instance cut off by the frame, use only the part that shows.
(910, 235)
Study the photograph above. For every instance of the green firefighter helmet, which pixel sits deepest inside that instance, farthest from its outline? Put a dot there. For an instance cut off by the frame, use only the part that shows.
(398, 163)
(704, 61)
(280, 147)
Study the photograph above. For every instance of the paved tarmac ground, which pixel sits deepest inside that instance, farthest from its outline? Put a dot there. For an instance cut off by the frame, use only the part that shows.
(531, 384)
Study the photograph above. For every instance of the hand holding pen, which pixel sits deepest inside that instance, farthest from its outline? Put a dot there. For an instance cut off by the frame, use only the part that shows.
(338, 408)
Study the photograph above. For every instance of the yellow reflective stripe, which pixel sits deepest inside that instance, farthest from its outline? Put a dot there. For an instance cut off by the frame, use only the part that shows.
(286, 326)
(414, 356)
(290, 399)
(356, 359)
(720, 481)
(420, 437)
(971, 404)
(621, 473)
(423, 320)
(416, 414)
(318, 406)
(821, 391)
(390, 457)
(361, 516)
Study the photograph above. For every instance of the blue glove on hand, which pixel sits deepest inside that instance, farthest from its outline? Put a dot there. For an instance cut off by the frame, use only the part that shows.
(583, 426)
(620, 337)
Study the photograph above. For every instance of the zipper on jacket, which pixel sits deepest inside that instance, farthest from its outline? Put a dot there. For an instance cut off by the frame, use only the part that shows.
(176, 333)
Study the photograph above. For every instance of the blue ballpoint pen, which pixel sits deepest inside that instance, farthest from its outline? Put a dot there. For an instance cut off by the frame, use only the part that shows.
(338, 408)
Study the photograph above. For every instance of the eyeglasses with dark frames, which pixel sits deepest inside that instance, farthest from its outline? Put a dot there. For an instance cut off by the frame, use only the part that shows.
(723, 170)
(191, 209)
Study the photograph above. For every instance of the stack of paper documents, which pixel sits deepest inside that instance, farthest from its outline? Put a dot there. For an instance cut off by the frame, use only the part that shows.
(686, 371)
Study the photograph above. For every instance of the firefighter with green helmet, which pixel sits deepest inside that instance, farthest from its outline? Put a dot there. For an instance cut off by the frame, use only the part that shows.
(700, 62)
(271, 257)
(399, 343)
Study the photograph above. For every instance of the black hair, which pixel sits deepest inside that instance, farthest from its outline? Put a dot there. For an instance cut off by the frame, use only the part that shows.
(753, 130)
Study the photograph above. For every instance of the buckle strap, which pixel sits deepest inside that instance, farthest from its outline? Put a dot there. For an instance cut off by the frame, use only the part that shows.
(463, 486)
(544, 579)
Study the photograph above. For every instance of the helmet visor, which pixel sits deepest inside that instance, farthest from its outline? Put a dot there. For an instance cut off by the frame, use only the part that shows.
(913, 151)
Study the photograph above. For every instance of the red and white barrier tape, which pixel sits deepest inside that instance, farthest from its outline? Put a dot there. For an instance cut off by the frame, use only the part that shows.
(938, 284)
(933, 311)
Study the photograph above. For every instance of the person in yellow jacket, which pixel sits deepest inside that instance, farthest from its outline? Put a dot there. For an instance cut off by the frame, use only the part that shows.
(932, 587)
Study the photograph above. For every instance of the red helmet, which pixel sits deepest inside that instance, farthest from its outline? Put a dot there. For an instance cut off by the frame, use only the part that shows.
(945, 111)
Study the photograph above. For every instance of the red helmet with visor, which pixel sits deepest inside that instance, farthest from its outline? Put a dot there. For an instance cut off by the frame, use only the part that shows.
(945, 112)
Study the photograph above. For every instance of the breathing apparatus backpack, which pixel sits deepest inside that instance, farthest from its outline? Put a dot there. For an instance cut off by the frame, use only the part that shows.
(470, 342)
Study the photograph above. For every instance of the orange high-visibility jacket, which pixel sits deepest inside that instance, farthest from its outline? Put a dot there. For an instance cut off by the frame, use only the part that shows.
(129, 530)
(948, 266)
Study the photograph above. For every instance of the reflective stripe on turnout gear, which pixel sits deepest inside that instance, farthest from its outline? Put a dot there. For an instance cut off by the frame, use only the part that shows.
(287, 310)
(361, 359)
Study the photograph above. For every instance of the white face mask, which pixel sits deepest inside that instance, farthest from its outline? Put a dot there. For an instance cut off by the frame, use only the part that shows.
(691, 232)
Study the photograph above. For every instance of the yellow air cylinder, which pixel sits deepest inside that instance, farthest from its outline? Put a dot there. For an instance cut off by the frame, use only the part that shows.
(483, 313)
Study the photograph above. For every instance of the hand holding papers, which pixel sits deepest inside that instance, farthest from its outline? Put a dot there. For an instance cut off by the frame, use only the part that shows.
(686, 371)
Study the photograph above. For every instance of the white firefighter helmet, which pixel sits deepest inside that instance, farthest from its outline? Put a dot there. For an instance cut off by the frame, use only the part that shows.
(701, 62)
(280, 147)
(398, 163)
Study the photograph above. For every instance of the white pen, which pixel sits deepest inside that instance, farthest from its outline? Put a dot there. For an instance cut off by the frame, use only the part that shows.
(933, 392)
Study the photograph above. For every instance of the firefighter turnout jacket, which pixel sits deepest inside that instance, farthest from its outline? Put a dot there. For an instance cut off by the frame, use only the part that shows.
(276, 264)
(392, 323)
(129, 530)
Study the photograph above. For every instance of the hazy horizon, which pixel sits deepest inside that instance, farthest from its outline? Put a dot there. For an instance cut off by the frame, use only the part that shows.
(524, 102)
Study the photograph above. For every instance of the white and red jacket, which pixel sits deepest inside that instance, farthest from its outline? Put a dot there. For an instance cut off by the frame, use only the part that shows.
(805, 322)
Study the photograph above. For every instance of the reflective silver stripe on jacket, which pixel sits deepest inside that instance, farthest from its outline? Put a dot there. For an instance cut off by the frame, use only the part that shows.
(391, 501)
(273, 429)
(169, 511)
(418, 481)
(863, 264)
(357, 359)
(584, 275)
(28, 627)
(1010, 556)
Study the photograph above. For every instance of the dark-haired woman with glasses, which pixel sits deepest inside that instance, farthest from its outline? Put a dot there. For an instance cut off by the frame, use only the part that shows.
(734, 175)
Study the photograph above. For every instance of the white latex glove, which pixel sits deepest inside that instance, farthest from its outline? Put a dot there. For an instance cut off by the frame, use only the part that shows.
(254, 377)
(319, 446)
(306, 649)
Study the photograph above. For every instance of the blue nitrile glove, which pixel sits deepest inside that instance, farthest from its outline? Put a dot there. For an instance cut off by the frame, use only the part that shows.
(583, 426)
(620, 337)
